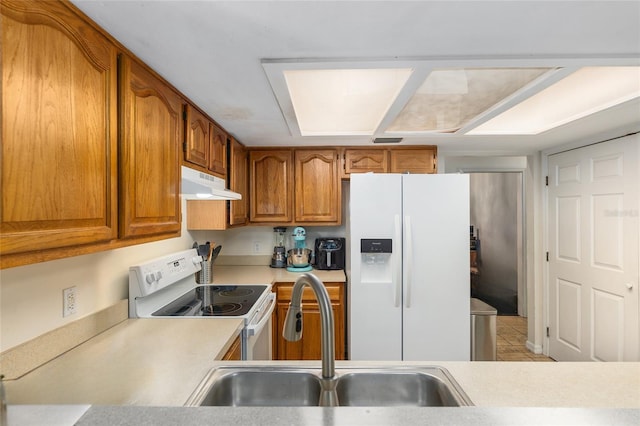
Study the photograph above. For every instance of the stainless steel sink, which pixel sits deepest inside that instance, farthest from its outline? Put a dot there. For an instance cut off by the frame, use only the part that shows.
(290, 386)
(432, 388)
(257, 387)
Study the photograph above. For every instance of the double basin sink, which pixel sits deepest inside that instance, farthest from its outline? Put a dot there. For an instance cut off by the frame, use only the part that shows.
(364, 387)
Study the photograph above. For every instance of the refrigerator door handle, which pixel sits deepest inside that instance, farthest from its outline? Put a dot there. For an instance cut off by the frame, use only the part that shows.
(397, 294)
(409, 259)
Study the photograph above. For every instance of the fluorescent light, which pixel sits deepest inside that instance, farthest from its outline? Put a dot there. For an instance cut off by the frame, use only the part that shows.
(582, 93)
(450, 98)
(343, 101)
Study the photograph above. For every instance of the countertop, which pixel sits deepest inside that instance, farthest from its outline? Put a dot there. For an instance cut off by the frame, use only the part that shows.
(157, 361)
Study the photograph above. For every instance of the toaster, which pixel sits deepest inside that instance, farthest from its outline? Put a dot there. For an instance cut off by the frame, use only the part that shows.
(330, 253)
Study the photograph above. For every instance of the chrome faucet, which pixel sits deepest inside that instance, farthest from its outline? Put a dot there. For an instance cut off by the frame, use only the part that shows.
(293, 332)
(3, 403)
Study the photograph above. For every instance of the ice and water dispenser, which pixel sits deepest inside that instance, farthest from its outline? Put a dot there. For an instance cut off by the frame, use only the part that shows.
(375, 266)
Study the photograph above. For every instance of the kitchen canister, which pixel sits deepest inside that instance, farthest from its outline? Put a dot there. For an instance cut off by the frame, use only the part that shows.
(205, 275)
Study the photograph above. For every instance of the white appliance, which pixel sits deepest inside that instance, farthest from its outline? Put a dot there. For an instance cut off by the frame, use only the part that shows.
(165, 287)
(409, 285)
(196, 185)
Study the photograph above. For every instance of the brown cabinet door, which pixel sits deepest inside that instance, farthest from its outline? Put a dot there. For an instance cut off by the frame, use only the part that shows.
(317, 186)
(309, 347)
(270, 186)
(235, 351)
(365, 160)
(59, 130)
(238, 182)
(217, 163)
(197, 135)
(151, 128)
(421, 160)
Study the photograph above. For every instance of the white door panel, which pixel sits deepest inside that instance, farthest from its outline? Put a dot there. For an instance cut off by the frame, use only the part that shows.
(436, 273)
(607, 324)
(375, 320)
(594, 252)
(570, 316)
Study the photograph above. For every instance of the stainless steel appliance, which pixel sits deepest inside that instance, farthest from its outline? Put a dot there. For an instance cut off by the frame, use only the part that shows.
(330, 253)
(279, 257)
(165, 287)
(483, 331)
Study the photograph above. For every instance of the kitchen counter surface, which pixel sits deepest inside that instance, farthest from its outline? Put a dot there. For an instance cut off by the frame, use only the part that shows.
(157, 361)
(281, 416)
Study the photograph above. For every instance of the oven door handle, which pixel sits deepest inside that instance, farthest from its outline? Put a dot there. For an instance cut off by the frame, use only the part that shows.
(253, 329)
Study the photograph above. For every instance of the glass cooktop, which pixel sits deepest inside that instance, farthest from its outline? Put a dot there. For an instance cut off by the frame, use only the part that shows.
(214, 300)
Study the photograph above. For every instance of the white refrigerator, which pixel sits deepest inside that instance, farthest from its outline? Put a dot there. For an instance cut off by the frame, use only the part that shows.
(409, 287)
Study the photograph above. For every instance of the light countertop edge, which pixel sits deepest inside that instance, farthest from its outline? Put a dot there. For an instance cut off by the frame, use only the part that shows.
(149, 361)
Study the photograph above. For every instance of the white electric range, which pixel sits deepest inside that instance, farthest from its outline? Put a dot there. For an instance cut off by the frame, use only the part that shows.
(165, 287)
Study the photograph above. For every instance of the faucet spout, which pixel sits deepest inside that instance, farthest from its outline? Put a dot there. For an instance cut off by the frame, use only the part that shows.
(293, 330)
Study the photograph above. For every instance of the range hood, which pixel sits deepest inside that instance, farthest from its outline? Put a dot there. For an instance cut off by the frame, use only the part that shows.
(201, 186)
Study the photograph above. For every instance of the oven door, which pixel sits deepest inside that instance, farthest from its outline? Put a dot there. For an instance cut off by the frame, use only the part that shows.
(257, 335)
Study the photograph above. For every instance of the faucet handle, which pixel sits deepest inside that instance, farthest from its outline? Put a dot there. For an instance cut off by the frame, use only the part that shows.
(292, 330)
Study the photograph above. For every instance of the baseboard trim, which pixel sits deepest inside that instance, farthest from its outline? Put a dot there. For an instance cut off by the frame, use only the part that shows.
(536, 349)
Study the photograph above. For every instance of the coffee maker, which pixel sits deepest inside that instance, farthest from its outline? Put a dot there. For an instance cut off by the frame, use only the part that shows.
(279, 257)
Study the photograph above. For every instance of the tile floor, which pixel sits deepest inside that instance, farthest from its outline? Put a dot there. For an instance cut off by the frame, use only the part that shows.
(511, 333)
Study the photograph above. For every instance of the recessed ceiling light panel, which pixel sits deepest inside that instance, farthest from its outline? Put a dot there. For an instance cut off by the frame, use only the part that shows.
(449, 98)
(343, 101)
(586, 91)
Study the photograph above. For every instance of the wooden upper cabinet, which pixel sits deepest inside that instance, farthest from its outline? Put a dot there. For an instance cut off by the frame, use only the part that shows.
(365, 160)
(421, 160)
(151, 130)
(418, 159)
(317, 186)
(197, 135)
(271, 186)
(214, 214)
(205, 143)
(59, 130)
(217, 162)
(238, 182)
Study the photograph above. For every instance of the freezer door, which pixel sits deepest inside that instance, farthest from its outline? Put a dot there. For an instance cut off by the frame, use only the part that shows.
(375, 319)
(436, 313)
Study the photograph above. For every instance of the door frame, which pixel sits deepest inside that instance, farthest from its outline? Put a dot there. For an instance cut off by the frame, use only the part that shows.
(545, 219)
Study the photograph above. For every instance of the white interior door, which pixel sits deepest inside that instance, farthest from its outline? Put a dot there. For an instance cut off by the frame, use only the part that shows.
(593, 252)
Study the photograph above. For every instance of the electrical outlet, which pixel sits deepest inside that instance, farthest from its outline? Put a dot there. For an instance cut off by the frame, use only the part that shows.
(256, 246)
(69, 301)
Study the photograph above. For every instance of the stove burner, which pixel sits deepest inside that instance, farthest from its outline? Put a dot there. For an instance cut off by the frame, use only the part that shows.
(237, 292)
(220, 309)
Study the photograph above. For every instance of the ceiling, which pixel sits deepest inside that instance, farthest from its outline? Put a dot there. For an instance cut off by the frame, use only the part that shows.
(215, 53)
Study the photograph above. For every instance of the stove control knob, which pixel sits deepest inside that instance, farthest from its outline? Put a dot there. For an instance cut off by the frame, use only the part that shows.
(158, 275)
(197, 260)
(150, 278)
